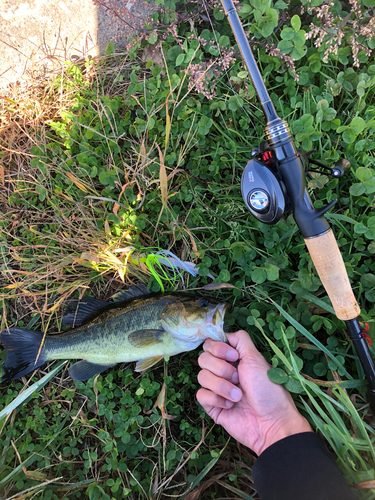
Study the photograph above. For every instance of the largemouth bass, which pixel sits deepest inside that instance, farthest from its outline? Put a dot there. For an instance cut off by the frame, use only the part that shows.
(138, 327)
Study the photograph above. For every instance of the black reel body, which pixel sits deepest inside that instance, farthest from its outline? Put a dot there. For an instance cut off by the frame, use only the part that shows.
(262, 192)
(267, 197)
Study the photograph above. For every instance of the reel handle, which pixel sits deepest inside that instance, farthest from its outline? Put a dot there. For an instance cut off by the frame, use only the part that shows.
(330, 266)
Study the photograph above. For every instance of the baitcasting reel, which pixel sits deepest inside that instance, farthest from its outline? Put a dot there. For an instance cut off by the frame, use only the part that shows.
(263, 190)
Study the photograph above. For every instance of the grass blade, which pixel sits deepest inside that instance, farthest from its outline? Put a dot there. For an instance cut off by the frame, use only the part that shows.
(21, 398)
(29, 460)
(69, 486)
(235, 490)
(312, 339)
(101, 198)
(341, 217)
(311, 298)
(167, 125)
(201, 475)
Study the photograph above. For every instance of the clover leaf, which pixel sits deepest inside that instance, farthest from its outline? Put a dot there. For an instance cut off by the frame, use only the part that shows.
(277, 375)
(366, 184)
(368, 229)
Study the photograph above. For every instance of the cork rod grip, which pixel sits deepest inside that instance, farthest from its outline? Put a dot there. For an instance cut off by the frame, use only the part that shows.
(332, 272)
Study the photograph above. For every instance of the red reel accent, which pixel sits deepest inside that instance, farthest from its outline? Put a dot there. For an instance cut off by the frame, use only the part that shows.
(365, 335)
(267, 158)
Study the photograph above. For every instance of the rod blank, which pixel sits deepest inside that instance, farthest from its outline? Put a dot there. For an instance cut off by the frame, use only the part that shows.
(247, 55)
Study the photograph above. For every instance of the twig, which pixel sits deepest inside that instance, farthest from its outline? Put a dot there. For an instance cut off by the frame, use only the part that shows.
(22, 493)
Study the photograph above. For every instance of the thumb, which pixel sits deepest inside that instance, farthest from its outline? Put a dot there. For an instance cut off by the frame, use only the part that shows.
(243, 344)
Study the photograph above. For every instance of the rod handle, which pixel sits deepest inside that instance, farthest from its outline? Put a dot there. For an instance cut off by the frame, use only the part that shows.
(328, 261)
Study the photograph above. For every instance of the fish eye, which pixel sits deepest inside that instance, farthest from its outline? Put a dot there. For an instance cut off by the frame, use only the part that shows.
(203, 303)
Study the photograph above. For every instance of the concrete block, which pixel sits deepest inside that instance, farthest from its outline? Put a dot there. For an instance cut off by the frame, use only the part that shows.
(38, 36)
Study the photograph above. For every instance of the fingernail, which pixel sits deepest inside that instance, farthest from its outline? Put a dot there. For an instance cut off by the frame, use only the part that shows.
(232, 356)
(229, 404)
(236, 394)
(235, 378)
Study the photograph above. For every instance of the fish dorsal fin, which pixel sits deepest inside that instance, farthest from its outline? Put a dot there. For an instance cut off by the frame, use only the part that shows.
(143, 338)
(83, 370)
(143, 364)
(133, 292)
(81, 310)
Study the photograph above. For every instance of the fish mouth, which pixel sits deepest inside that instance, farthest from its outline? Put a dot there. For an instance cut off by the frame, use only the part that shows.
(216, 323)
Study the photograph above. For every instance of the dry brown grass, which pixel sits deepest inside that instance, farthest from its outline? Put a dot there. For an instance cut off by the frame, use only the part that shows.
(42, 271)
(53, 249)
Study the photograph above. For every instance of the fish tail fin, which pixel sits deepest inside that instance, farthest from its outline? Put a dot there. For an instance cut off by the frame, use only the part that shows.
(22, 348)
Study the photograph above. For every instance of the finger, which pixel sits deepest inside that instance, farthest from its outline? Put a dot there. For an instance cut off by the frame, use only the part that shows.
(243, 344)
(221, 350)
(218, 367)
(219, 386)
(208, 400)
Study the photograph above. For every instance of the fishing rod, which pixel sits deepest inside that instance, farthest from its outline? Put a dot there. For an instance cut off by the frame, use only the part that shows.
(274, 183)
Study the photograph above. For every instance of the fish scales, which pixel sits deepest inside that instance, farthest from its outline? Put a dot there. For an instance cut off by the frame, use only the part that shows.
(107, 340)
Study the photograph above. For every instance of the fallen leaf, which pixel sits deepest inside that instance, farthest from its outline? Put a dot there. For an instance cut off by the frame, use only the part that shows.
(160, 403)
(90, 256)
(365, 485)
(2, 175)
(216, 286)
(77, 182)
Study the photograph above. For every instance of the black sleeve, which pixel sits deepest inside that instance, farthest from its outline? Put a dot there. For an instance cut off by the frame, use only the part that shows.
(299, 467)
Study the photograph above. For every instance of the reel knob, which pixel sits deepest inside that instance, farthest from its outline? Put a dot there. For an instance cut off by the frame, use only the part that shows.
(341, 168)
(337, 172)
(344, 164)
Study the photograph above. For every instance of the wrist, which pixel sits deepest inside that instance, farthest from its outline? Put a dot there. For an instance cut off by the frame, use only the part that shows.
(294, 424)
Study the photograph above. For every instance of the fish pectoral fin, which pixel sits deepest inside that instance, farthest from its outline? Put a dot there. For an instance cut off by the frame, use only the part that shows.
(144, 338)
(143, 364)
(83, 370)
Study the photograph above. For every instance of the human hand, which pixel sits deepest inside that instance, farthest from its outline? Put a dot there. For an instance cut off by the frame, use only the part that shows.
(258, 412)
